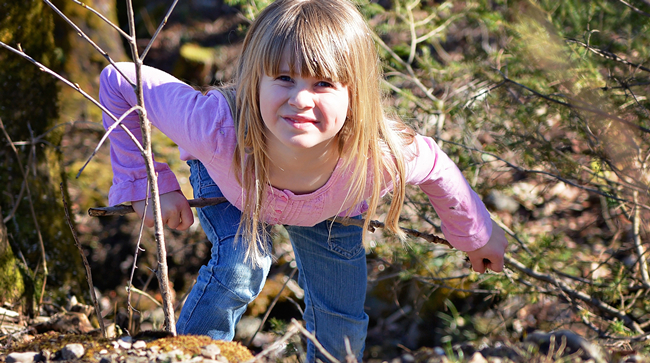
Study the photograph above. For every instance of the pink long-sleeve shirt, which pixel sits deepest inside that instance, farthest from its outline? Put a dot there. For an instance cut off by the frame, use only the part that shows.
(203, 128)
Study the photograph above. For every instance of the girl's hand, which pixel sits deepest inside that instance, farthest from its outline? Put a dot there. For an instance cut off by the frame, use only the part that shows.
(175, 209)
(491, 255)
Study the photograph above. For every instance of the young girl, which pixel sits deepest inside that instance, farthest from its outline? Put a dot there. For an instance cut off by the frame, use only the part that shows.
(309, 140)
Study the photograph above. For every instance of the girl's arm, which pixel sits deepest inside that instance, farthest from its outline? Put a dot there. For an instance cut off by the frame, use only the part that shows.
(189, 118)
(466, 222)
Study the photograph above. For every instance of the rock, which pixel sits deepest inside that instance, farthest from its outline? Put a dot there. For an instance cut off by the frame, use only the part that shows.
(501, 202)
(477, 358)
(46, 355)
(210, 351)
(408, 358)
(140, 344)
(73, 351)
(125, 342)
(24, 357)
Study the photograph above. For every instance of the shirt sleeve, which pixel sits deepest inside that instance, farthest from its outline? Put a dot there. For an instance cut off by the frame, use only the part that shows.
(465, 220)
(189, 118)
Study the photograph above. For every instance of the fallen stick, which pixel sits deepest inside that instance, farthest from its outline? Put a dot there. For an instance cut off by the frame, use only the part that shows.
(124, 209)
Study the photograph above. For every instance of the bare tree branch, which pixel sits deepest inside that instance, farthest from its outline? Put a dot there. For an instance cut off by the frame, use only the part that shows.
(271, 305)
(89, 275)
(607, 54)
(74, 86)
(162, 24)
(83, 35)
(313, 339)
(145, 126)
(110, 23)
(108, 132)
(636, 10)
(593, 301)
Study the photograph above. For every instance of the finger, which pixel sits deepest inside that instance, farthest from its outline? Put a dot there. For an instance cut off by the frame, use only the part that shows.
(187, 218)
(172, 219)
(477, 264)
(496, 264)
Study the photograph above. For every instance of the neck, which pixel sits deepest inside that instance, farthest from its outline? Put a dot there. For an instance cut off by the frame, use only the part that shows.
(305, 170)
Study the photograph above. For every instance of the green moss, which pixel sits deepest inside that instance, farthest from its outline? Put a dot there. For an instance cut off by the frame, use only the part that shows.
(196, 53)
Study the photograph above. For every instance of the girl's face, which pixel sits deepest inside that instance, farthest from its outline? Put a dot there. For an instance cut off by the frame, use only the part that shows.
(302, 112)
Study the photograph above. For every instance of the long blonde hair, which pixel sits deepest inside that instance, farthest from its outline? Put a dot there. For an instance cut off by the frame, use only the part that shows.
(328, 39)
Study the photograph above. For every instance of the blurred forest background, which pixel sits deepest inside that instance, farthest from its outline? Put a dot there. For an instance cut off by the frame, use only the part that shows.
(543, 105)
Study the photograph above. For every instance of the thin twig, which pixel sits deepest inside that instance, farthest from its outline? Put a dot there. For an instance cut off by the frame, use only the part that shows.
(376, 224)
(636, 224)
(593, 301)
(204, 202)
(135, 261)
(607, 54)
(145, 294)
(110, 23)
(268, 311)
(315, 341)
(74, 86)
(636, 10)
(293, 330)
(15, 207)
(147, 154)
(162, 24)
(542, 172)
(408, 67)
(89, 275)
(83, 35)
(31, 207)
(578, 105)
(349, 357)
(120, 210)
(108, 132)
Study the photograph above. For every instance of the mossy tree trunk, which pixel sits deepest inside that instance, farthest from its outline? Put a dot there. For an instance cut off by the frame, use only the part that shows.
(29, 107)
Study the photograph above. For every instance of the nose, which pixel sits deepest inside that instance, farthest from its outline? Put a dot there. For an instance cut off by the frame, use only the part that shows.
(301, 98)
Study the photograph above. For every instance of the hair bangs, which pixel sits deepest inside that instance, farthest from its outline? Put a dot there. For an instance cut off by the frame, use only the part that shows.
(312, 43)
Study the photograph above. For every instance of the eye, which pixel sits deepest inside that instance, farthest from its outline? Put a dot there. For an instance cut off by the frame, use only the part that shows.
(327, 84)
(284, 78)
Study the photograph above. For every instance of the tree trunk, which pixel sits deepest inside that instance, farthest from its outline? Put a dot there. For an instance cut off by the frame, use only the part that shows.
(29, 107)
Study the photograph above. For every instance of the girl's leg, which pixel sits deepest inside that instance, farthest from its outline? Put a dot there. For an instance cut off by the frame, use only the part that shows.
(227, 284)
(332, 264)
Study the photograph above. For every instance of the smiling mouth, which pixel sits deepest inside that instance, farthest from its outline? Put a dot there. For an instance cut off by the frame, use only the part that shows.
(299, 120)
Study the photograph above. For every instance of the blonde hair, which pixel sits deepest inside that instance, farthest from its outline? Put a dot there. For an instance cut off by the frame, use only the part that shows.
(328, 39)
